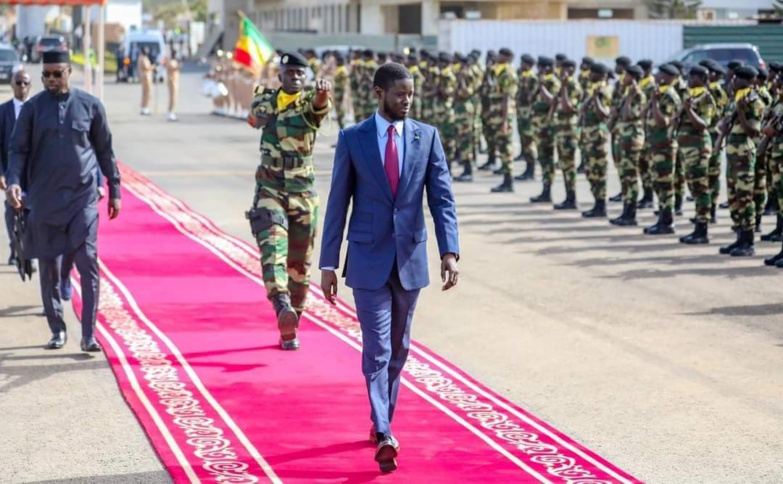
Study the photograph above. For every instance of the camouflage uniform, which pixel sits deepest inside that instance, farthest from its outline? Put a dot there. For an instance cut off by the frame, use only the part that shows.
(721, 104)
(340, 88)
(444, 112)
(528, 83)
(760, 185)
(476, 76)
(357, 66)
(679, 164)
(505, 86)
(365, 89)
(545, 130)
(618, 94)
(662, 148)
(285, 203)
(741, 158)
(776, 161)
(630, 141)
(584, 83)
(647, 86)
(596, 134)
(487, 87)
(429, 100)
(695, 147)
(418, 84)
(565, 126)
(464, 116)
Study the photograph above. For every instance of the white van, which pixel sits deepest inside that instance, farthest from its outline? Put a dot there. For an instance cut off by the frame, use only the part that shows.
(128, 53)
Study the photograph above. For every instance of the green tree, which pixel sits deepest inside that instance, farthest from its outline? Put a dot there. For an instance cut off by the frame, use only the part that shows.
(673, 9)
(778, 5)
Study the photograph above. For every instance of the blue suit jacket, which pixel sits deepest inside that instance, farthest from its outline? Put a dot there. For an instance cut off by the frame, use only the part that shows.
(7, 122)
(383, 229)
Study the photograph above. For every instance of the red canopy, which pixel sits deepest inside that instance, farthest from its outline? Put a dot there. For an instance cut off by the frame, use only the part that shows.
(54, 2)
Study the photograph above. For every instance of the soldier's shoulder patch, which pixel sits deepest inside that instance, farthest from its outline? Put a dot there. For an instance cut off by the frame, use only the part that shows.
(261, 90)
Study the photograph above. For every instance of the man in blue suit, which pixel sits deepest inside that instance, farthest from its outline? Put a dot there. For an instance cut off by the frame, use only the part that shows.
(384, 165)
(9, 111)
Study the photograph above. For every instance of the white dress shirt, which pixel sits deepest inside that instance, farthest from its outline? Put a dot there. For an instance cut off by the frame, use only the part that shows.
(383, 133)
(17, 107)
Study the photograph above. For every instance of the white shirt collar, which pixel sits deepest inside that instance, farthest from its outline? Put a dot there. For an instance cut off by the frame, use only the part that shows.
(383, 126)
(18, 102)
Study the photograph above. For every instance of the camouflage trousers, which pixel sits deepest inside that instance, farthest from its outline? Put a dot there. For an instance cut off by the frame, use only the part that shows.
(477, 126)
(566, 156)
(339, 108)
(504, 144)
(616, 158)
(714, 170)
(740, 180)
(776, 167)
(286, 242)
(760, 187)
(679, 175)
(646, 168)
(489, 136)
(545, 135)
(662, 179)
(464, 116)
(427, 111)
(630, 150)
(696, 159)
(448, 133)
(594, 151)
(527, 136)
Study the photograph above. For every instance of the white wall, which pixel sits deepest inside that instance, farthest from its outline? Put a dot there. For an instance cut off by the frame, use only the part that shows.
(637, 39)
(125, 12)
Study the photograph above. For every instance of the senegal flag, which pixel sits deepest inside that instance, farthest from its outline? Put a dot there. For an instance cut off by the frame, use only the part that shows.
(252, 49)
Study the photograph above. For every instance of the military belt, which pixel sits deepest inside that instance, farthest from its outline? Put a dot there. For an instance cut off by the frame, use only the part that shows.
(286, 162)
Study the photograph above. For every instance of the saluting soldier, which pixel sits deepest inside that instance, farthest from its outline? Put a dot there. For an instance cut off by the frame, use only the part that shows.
(630, 132)
(773, 131)
(695, 147)
(760, 190)
(502, 100)
(528, 84)
(774, 113)
(740, 131)
(584, 82)
(596, 109)
(566, 122)
(662, 146)
(447, 87)
(544, 102)
(284, 216)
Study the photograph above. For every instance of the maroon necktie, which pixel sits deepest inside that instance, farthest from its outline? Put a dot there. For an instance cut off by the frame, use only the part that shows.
(392, 165)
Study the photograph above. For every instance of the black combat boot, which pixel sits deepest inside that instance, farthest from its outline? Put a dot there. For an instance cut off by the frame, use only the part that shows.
(490, 164)
(647, 200)
(713, 217)
(665, 224)
(726, 249)
(773, 261)
(520, 157)
(724, 205)
(506, 187)
(630, 217)
(529, 173)
(467, 174)
(746, 247)
(699, 235)
(771, 207)
(582, 167)
(545, 197)
(777, 234)
(598, 210)
(287, 321)
(758, 223)
(617, 198)
(678, 205)
(616, 221)
(569, 203)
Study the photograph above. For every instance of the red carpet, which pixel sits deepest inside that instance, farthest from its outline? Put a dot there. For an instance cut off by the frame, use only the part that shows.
(193, 344)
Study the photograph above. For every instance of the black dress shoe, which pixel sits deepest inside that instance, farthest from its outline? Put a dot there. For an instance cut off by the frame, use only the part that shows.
(12, 260)
(617, 198)
(89, 345)
(58, 341)
(386, 453)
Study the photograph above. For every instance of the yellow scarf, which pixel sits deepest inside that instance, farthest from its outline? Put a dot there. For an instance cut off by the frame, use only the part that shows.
(414, 69)
(499, 68)
(340, 70)
(527, 73)
(714, 85)
(446, 70)
(584, 73)
(284, 99)
(695, 92)
(661, 89)
(645, 82)
(549, 77)
(356, 62)
(740, 94)
(558, 70)
(593, 86)
(423, 65)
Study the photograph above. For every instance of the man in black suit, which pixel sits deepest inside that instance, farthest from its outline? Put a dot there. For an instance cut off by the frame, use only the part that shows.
(9, 111)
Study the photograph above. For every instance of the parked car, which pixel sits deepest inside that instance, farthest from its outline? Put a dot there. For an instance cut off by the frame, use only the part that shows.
(9, 63)
(128, 54)
(46, 43)
(722, 53)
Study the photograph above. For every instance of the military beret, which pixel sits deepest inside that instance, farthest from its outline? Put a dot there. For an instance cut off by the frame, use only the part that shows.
(635, 71)
(763, 74)
(645, 64)
(669, 69)
(506, 51)
(56, 57)
(746, 72)
(491, 53)
(699, 71)
(368, 52)
(444, 57)
(679, 65)
(569, 63)
(598, 68)
(732, 65)
(425, 54)
(775, 67)
(528, 59)
(588, 61)
(713, 66)
(623, 61)
(459, 57)
(293, 59)
(560, 57)
(545, 61)
(412, 58)
(475, 52)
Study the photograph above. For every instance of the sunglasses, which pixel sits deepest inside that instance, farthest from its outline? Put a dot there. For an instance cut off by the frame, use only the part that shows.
(22, 83)
(55, 74)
